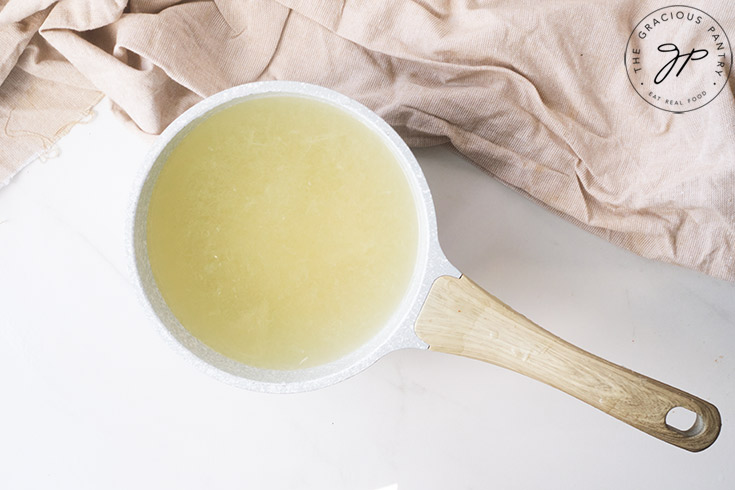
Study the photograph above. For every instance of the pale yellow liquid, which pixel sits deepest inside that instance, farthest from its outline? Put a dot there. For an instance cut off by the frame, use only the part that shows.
(282, 232)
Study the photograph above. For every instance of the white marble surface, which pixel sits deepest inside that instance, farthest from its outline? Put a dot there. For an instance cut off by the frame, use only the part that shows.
(92, 397)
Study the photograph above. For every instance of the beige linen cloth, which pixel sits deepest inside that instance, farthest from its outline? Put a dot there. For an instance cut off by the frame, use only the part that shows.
(534, 92)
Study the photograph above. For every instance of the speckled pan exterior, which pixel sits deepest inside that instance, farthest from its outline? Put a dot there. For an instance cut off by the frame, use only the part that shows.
(398, 333)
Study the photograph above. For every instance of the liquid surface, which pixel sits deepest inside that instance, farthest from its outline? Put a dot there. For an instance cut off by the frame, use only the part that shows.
(282, 232)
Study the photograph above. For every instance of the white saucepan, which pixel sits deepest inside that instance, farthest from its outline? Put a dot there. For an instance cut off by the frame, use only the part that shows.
(441, 310)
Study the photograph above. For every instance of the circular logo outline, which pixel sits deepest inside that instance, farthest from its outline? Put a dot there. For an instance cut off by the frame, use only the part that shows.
(627, 72)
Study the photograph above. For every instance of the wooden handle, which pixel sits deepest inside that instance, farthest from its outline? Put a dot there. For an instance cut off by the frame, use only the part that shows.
(459, 317)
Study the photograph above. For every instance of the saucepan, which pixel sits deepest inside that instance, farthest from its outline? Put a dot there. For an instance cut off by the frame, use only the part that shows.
(441, 310)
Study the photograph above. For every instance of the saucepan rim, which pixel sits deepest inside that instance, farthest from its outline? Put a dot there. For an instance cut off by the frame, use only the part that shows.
(398, 332)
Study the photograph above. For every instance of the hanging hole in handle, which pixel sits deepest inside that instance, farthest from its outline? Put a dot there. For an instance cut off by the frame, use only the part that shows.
(683, 420)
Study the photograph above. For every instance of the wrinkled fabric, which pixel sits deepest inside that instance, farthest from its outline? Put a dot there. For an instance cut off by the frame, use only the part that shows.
(534, 92)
